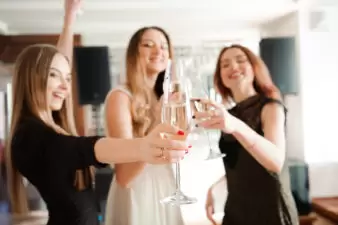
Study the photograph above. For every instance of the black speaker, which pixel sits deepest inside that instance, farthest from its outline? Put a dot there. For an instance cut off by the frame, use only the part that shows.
(279, 54)
(93, 74)
(300, 185)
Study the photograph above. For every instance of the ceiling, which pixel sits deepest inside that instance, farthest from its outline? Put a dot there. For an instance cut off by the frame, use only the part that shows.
(116, 20)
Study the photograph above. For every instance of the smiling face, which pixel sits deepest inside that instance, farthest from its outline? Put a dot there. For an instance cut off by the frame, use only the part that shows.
(235, 69)
(153, 51)
(58, 82)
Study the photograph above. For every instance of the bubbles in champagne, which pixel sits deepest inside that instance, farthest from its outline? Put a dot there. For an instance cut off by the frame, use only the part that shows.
(177, 114)
(198, 106)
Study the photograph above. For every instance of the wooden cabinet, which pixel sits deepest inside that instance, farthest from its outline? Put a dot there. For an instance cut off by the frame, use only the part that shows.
(308, 220)
(327, 209)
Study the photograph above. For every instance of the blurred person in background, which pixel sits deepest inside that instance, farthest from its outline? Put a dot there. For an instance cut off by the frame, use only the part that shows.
(253, 139)
(132, 110)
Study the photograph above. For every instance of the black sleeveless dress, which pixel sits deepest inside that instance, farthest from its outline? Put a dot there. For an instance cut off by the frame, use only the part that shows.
(256, 196)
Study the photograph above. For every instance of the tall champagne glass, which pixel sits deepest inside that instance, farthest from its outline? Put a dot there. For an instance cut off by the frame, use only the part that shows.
(197, 90)
(176, 111)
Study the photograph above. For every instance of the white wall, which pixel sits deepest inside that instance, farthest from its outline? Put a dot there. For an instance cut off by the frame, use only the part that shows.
(312, 114)
(289, 26)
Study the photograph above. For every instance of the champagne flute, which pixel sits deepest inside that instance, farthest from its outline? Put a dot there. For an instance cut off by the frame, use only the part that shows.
(176, 111)
(198, 91)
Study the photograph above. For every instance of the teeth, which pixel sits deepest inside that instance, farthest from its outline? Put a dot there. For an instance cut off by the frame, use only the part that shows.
(156, 60)
(59, 95)
(236, 75)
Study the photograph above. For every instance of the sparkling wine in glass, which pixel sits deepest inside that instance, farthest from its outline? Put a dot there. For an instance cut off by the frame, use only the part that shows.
(198, 92)
(177, 112)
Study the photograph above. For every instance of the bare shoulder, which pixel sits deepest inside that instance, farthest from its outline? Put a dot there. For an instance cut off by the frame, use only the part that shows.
(273, 112)
(118, 114)
(118, 97)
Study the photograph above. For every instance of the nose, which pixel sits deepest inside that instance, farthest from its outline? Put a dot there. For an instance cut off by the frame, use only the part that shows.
(63, 84)
(157, 49)
(234, 65)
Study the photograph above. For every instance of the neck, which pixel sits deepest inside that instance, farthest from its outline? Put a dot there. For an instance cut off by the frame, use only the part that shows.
(241, 94)
(152, 79)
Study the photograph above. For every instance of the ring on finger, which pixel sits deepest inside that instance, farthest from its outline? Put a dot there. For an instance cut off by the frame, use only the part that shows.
(212, 113)
(162, 153)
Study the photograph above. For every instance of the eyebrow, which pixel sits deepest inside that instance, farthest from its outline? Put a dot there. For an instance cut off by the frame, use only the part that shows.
(57, 70)
(237, 56)
(162, 42)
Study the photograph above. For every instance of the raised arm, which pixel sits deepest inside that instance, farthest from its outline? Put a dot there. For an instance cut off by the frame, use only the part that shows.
(119, 125)
(66, 40)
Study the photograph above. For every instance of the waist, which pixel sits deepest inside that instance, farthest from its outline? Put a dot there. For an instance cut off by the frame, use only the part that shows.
(83, 218)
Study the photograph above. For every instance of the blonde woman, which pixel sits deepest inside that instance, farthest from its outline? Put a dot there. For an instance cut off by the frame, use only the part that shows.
(132, 111)
(43, 145)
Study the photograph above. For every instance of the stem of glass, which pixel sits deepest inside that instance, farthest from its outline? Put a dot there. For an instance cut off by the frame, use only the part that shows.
(178, 178)
(209, 142)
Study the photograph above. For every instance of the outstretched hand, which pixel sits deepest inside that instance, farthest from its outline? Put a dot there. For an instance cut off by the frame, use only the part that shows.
(164, 144)
(218, 118)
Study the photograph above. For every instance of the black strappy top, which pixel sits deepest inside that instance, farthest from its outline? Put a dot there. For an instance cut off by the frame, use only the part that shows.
(255, 195)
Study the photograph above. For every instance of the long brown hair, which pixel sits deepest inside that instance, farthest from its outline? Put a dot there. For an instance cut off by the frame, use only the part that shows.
(263, 83)
(143, 97)
(29, 99)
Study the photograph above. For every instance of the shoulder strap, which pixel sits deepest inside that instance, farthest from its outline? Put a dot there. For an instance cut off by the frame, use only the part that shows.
(277, 101)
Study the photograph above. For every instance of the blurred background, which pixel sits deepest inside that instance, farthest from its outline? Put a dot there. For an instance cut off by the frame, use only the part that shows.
(297, 39)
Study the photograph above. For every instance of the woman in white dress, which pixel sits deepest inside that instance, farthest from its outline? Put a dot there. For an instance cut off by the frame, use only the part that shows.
(131, 111)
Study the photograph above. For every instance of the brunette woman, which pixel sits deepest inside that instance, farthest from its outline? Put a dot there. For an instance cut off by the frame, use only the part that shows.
(253, 139)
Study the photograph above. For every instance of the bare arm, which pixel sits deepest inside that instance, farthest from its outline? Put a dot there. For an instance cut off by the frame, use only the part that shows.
(103, 150)
(269, 150)
(66, 40)
(119, 125)
(220, 180)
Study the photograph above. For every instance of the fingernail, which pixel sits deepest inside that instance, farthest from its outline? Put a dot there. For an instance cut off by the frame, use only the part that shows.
(193, 116)
(180, 132)
(186, 151)
(189, 146)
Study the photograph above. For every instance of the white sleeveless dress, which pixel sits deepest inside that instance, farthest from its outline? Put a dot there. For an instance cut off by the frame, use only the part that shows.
(140, 203)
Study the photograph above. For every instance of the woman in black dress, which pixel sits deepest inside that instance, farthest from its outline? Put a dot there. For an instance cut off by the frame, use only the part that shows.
(45, 149)
(253, 139)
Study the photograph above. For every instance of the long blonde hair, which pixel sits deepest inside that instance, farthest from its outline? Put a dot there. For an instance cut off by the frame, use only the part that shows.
(143, 97)
(29, 99)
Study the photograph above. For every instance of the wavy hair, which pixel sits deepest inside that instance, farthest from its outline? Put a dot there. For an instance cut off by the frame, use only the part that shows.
(144, 98)
(263, 83)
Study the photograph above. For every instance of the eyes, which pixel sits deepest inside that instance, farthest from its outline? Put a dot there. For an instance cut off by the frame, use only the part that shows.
(152, 44)
(57, 75)
(239, 60)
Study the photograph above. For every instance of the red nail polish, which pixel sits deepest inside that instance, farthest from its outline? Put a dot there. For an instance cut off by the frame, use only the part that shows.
(180, 132)
(189, 146)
